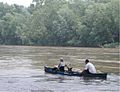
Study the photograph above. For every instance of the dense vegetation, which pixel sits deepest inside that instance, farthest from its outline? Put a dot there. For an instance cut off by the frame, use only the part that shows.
(91, 23)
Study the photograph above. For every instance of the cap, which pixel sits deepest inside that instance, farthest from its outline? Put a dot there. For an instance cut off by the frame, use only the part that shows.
(61, 59)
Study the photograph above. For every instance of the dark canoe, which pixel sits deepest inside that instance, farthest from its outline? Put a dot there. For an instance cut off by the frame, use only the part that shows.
(73, 73)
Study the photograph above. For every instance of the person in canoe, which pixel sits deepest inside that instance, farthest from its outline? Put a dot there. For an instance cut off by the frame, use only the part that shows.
(61, 65)
(89, 68)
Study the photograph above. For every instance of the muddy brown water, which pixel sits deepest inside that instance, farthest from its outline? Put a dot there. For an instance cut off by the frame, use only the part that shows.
(22, 69)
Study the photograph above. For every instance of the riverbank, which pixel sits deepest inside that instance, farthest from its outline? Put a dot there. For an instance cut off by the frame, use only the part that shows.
(111, 45)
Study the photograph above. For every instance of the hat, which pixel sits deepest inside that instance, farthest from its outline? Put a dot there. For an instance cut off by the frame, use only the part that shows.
(61, 59)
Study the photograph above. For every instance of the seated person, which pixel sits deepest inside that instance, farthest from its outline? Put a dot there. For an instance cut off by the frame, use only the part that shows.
(89, 68)
(61, 65)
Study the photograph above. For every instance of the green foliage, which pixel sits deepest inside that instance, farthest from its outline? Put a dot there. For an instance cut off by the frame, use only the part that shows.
(11, 23)
(61, 23)
(111, 45)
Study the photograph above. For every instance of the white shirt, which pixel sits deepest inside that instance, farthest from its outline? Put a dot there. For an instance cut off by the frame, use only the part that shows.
(90, 67)
(62, 64)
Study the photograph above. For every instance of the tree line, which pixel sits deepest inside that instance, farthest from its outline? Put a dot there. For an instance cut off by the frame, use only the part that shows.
(89, 23)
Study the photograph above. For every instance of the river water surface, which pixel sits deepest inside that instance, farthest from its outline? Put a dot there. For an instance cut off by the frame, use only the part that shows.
(22, 69)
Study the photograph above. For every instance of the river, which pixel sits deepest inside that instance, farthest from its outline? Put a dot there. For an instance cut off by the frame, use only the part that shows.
(22, 69)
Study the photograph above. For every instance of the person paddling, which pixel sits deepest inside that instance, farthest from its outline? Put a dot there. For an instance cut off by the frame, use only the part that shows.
(89, 68)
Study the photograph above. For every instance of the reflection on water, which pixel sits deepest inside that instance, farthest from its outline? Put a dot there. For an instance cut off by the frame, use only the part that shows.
(21, 69)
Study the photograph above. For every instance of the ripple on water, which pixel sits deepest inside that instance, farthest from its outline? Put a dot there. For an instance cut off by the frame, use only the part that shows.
(21, 69)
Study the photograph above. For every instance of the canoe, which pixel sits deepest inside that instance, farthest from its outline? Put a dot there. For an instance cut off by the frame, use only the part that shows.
(74, 73)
